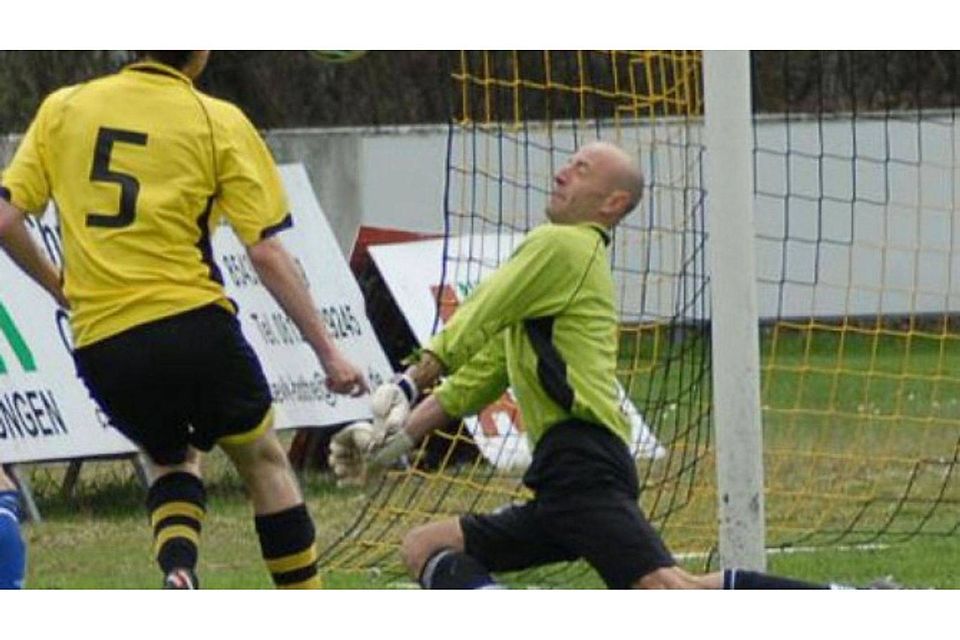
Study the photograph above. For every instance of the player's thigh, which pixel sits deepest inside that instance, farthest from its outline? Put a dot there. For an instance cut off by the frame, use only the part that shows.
(134, 379)
(510, 538)
(612, 535)
(231, 402)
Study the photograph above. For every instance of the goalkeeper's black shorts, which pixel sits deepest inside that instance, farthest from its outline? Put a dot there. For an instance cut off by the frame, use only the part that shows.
(586, 487)
(188, 379)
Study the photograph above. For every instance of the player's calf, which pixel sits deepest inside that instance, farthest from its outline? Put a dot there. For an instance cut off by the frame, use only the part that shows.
(287, 540)
(13, 552)
(177, 505)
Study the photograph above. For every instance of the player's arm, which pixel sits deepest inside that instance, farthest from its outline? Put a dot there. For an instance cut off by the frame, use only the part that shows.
(538, 280)
(25, 188)
(252, 197)
(280, 275)
(365, 448)
(19, 245)
(477, 384)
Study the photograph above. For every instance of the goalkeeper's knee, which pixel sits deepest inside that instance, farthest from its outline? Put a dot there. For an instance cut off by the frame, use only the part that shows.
(449, 569)
(13, 552)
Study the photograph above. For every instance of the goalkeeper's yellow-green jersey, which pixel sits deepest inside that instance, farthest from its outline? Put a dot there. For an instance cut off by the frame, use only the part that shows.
(142, 168)
(546, 322)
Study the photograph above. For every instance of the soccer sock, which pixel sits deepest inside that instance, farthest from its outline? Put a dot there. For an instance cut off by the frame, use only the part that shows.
(13, 552)
(177, 503)
(287, 540)
(741, 579)
(449, 569)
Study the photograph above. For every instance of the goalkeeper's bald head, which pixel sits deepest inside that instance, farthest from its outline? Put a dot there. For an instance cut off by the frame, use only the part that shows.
(600, 183)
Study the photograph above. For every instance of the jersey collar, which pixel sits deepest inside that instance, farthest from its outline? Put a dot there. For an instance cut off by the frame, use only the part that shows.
(602, 230)
(157, 68)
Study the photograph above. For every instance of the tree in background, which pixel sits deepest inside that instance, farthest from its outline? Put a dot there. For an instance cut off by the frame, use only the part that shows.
(287, 89)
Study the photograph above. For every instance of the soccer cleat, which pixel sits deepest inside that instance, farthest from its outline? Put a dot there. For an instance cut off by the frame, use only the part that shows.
(886, 582)
(181, 579)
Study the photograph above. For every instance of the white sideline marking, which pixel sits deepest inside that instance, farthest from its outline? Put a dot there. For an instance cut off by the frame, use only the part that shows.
(698, 555)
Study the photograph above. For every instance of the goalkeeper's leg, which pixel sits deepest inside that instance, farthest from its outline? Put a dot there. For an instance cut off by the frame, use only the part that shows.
(460, 553)
(283, 525)
(434, 556)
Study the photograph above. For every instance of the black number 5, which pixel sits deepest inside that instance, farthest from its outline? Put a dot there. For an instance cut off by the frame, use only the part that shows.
(129, 187)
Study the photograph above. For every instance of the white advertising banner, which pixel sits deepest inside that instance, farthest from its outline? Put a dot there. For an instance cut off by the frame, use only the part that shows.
(45, 410)
(412, 272)
(293, 371)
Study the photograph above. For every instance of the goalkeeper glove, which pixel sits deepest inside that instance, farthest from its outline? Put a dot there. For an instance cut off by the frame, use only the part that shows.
(391, 402)
(348, 447)
(360, 452)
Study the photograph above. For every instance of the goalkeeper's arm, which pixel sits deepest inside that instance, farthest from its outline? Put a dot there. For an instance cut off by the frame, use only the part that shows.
(424, 418)
(365, 448)
(363, 451)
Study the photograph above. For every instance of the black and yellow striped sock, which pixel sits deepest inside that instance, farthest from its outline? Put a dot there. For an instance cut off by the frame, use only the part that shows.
(287, 540)
(177, 503)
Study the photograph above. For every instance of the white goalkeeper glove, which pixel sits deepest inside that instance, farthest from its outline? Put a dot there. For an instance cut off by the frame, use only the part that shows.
(391, 402)
(361, 452)
(348, 450)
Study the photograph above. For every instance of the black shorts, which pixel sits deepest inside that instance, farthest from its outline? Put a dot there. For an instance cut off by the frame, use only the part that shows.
(189, 379)
(585, 507)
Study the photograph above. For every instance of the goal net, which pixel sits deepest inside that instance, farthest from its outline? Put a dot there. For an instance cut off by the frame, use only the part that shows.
(856, 178)
(516, 117)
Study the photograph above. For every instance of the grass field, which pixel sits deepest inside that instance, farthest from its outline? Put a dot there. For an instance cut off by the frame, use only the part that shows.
(860, 442)
(100, 540)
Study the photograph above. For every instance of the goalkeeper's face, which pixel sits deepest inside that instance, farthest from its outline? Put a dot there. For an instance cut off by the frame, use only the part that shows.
(589, 187)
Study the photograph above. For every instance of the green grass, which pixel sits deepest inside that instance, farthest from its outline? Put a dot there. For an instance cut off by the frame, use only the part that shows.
(100, 540)
(921, 563)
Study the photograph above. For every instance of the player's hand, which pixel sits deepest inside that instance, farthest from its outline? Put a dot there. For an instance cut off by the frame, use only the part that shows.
(361, 453)
(343, 377)
(391, 402)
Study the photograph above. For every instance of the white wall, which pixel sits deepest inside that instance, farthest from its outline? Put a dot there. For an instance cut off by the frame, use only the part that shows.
(859, 218)
(874, 234)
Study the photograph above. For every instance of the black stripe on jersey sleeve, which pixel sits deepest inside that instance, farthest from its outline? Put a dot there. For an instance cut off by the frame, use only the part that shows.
(551, 368)
(273, 230)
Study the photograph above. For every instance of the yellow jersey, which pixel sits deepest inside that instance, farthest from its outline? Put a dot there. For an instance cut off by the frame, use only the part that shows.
(142, 168)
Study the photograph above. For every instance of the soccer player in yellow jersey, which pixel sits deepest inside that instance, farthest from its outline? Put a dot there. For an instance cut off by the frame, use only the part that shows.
(544, 323)
(143, 167)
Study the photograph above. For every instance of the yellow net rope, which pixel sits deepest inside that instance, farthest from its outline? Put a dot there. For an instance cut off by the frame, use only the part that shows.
(516, 117)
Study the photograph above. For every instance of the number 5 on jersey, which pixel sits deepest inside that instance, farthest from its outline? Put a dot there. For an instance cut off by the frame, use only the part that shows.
(129, 186)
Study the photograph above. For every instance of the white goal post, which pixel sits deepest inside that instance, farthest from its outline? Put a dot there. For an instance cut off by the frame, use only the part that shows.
(734, 334)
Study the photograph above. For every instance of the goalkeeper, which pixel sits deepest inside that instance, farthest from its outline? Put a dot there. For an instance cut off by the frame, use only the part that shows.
(545, 323)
